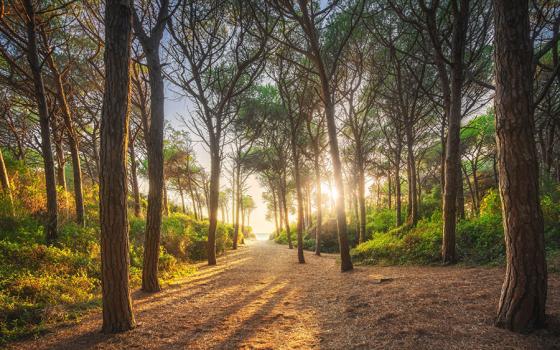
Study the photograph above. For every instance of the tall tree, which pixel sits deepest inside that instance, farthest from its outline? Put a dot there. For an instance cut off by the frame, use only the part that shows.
(523, 299)
(32, 52)
(151, 40)
(117, 306)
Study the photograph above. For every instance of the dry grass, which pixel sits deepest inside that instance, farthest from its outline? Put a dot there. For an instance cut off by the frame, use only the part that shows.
(260, 298)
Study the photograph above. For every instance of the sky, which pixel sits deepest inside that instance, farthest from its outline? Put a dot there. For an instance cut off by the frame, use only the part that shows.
(175, 107)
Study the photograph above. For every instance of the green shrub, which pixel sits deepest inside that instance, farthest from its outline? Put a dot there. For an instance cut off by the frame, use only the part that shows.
(380, 220)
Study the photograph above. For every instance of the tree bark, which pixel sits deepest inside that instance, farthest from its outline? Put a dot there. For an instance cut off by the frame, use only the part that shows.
(150, 45)
(117, 306)
(361, 201)
(134, 178)
(73, 142)
(299, 196)
(398, 201)
(452, 152)
(51, 225)
(285, 209)
(213, 202)
(345, 260)
(5, 182)
(523, 298)
(319, 199)
(238, 204)
(412, 192)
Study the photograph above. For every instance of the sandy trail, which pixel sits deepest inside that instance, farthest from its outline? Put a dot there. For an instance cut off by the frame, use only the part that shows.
(259, 297)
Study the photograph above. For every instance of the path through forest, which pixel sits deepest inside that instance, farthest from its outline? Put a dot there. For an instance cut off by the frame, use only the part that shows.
(259, 297)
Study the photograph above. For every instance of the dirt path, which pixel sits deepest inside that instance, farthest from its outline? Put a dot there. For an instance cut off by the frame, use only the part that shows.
(260, 298)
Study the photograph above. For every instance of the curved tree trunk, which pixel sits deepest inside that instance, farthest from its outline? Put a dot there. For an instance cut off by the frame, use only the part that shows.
(72, 139)
(51, 225)
(117, 306)
(523, 299)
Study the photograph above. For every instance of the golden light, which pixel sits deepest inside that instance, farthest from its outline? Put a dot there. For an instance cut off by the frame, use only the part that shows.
(329, 191)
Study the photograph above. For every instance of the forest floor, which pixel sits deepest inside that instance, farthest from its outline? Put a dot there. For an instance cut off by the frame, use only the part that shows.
(259, 297)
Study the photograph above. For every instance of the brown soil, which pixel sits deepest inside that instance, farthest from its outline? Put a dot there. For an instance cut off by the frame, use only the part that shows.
(259, 297)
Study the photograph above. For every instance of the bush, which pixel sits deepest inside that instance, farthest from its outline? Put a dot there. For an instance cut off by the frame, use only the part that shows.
(380, 220)
(41, 285)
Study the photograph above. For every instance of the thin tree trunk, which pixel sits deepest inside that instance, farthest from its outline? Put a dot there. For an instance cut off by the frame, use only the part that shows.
(460, 195)
(345, 260)
(165, 199)
(154, 143)
(452, 153)
(117, 306)
(73, 142)
(286, 217)
(275, 208)
(213, 203)
(319, 205)
(238, 195)
(5, 182)
(361, 202)
(412, 192)
(398, 202)
(51, 225)
(134, 178)
(299, 197)
(523, 298)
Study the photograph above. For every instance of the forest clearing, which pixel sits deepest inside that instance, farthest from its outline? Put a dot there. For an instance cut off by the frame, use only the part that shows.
(259, 297)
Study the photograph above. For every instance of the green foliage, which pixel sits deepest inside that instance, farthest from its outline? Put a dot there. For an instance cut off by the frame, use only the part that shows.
(41, 285)
(480, 240)
(380, 220)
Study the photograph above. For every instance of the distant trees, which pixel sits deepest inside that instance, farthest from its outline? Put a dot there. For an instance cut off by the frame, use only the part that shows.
(204, 34)
(117, 306)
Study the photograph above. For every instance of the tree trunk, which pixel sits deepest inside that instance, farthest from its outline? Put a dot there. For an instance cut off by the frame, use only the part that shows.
(275, 206)
(319, 205)
(345, 260)
(51, 225)
(398, 201)
(5, 182)
(286, 217)
(299, 197)
(134, 178)
(182, 195)
(411, 167)
(460, 194)
(523, 298)
(117, 306)
(238, 195)
(154, 142)
(452, 152)
(213, 203)
(72, 139)
(165, 199)
(361, 203)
